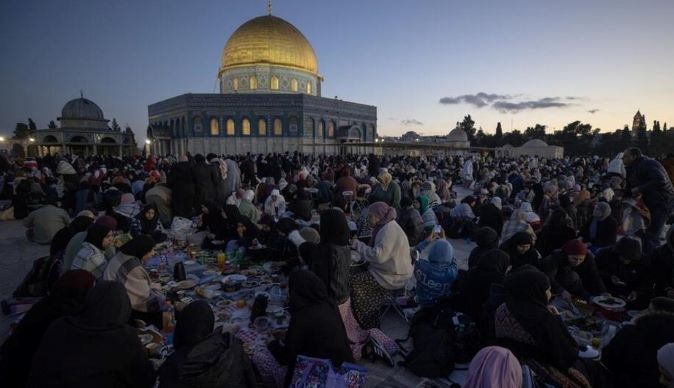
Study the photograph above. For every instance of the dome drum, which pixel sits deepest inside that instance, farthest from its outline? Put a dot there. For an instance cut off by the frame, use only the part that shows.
(260, 79)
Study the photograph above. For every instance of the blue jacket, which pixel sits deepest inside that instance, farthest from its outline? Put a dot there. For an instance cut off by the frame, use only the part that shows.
(436, 275)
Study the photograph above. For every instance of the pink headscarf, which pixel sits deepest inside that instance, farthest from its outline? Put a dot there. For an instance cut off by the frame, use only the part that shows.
(494, 366)
(385, 213)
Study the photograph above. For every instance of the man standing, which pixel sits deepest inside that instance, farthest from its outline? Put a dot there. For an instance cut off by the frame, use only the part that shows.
(647, 178)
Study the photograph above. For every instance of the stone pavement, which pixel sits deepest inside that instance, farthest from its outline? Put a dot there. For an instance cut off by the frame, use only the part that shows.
(16, 258)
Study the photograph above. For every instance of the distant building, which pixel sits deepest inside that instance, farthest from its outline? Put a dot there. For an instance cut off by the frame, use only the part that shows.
(639, 121)
(534, 147)
(84, 131)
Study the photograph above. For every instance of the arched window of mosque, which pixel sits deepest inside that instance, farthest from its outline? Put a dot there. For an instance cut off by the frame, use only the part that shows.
(308, 87)
(309, 128)
(215, 127)
(197, 124)
(230, 127)
(262, 127)
(331, 129)
(321, 128)
(293, 126)
(278, 127)
(245, 127)
(235, 84)
(274, 82)
(253, 83)
(294, 85)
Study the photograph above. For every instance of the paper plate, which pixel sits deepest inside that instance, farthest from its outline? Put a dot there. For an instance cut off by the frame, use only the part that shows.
(234, 278)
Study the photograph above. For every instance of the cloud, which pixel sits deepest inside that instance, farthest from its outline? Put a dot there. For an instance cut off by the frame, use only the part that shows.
(593, 111)
(541, 103)
(478, 100)
(507, 102)
(411, 122)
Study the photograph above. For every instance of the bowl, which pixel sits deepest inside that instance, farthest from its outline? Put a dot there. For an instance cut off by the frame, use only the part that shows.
(261, 324)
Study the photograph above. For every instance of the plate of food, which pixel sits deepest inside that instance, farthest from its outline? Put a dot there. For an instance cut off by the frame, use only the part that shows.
(608, 302)
(224, 303)
(186, 284)
(234, 278)
(250, 284)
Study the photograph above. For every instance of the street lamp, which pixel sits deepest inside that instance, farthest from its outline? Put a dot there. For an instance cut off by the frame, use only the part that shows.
(2, 138)
(31, 139)
(148, 141)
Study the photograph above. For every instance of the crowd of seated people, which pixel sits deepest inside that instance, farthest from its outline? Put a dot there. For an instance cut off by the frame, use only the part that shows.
(569, 228)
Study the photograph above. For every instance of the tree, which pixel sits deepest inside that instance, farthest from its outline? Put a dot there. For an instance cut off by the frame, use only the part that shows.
(31, 126)
(52, 124)
(115, 126)
(468, 125)
(21, 131)
(656, 126)
(642, 139)
(664, 126)
(536, 132)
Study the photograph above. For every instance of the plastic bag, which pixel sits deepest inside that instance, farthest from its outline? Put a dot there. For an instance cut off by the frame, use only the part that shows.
(181, 228)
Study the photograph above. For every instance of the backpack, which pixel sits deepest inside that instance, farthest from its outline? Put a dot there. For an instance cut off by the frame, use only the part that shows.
(38, 280)
(432, 331)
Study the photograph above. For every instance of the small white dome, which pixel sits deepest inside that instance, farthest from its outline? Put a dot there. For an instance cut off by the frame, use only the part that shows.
(534, 143)
(457, 134)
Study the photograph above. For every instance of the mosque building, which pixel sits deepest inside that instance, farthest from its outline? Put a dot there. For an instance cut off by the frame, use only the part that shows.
(269, 101)
(84, 131)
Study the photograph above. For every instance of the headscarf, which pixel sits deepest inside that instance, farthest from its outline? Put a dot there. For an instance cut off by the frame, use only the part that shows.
(462, 210)
(443, 190)
(107, 306)
(334, 227)
(248, 195)
(601, 211)
(310, 234)
(194, 324)
(666, 358)
(107, 221)
(441, 253)
(521, 238)
(486, 237)
(496, 201)
(307, 290)
(148, 226)
(384, 179)
(494, 366)
(495, 261)
(528, 302)
(385, 213)
(530, 216)
(96, 234)
(138, 247)
(423, 203)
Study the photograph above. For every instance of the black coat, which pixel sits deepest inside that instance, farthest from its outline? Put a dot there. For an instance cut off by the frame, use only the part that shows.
(412, 224)
(653, 182)
(558, 269)
(205, 178)
(631, 355)
(183, 189)
(96, 349)
(607, 232)
(553, 237)
(491, 216)
(218, 361)
(316, 328)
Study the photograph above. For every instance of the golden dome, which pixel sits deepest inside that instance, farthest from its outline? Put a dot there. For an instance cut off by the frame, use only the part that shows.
(268, 40)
